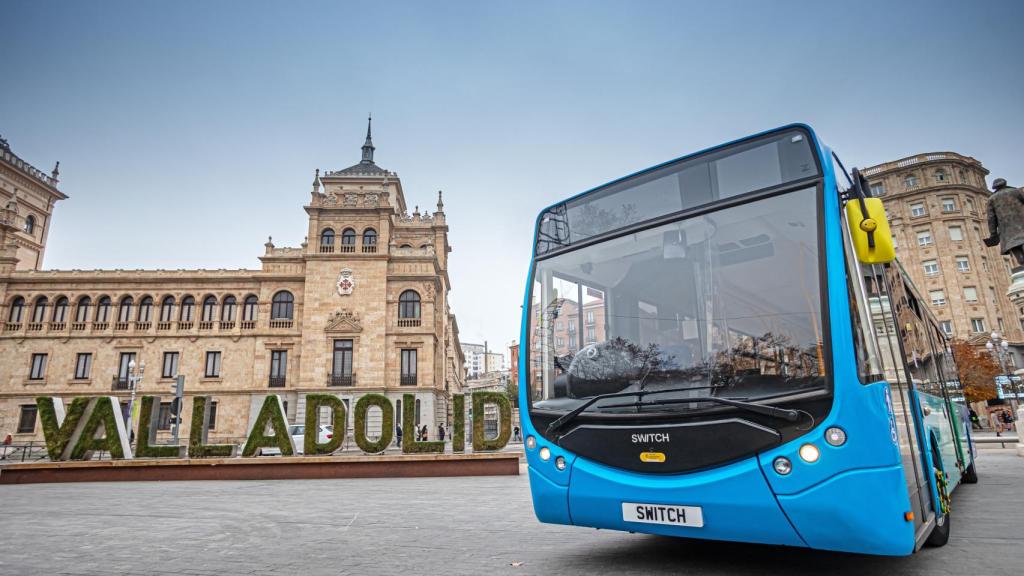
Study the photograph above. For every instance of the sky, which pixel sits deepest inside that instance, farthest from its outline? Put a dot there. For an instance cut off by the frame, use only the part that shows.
(189, 131)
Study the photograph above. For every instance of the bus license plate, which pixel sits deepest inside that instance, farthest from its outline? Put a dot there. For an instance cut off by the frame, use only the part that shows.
(670, 514)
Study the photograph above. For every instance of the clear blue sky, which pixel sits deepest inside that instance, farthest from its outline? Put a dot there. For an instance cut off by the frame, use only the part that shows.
(193, 128)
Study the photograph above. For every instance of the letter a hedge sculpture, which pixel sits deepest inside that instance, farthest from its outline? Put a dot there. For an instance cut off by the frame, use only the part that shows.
(271, 413)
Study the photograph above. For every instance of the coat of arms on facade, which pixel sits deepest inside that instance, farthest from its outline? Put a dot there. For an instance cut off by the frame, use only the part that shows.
(346, 282)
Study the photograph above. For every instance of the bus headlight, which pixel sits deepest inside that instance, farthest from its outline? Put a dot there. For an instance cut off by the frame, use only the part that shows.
(782, 465)
(545, 454)
(560, 463)
(810, 453)
(835, 436)
(531, 442)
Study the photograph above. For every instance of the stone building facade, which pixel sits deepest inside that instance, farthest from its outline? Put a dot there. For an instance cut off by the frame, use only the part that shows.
(360, 307)
(936, 204)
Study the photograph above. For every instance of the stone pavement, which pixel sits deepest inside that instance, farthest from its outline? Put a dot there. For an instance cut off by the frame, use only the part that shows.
(428, 526)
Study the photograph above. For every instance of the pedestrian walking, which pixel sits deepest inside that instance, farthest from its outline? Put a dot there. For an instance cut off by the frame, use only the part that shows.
(996, 421)
(975, 421)
(398, 434)
(423, 433)
(440, 432)
(1007, 420)
(515, 434)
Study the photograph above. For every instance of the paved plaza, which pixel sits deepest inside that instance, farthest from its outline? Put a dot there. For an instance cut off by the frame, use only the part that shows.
(419, 527)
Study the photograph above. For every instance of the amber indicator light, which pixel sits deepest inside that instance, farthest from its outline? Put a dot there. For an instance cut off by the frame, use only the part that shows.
(652, 456)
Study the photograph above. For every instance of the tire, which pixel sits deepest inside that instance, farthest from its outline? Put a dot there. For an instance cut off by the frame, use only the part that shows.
(940, 534)
(970, 475)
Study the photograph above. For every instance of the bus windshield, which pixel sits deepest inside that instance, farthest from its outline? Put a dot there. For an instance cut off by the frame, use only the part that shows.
(727, 303)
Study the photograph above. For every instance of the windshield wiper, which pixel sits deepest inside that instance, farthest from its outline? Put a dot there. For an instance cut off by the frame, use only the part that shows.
(568, 416)
(765, 409)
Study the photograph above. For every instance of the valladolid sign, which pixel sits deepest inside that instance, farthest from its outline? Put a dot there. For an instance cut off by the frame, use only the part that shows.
(88, 425)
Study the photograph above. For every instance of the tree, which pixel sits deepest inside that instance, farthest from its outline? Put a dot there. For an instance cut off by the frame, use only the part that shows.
(978, 371)
(512, 389)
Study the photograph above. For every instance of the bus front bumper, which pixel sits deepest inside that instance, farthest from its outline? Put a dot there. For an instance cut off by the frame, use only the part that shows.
(735, 502)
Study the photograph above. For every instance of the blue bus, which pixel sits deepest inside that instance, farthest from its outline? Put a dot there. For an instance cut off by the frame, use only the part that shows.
(723, 347)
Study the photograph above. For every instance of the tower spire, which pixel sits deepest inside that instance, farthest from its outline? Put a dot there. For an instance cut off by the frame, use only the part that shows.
(368, 147)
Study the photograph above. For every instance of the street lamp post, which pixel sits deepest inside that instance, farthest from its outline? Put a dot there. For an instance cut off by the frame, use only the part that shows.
(135, 373)
(998, 347)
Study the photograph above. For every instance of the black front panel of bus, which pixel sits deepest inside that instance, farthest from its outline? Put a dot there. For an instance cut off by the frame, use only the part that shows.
(668, 448)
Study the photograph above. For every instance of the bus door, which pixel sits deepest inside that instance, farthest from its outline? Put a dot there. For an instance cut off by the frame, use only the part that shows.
(950, 386)
(893, 323)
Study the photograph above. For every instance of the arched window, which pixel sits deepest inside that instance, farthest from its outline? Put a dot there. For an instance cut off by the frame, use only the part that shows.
(103, 310)
(82, 309)
(60, 310)
(30, 224)
(188, 309)
(146, 309)
(124, 309)
(39, 311)
(17, 310)
(227, 309)
(369, 237)
(348, 237)
(209, 309)
(281, 307)
(409, 304)
(327, 240)
(406, 246)
(249, 308)
(167, 309)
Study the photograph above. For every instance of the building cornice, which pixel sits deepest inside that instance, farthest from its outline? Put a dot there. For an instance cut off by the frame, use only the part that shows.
(919, 160)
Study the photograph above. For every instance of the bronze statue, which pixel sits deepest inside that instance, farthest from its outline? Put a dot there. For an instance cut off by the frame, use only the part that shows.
(1006, 221)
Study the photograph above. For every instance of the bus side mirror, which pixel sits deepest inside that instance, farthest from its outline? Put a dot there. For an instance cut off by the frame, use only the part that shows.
(872, 240)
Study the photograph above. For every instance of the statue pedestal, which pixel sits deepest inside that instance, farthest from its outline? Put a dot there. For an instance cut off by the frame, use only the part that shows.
(1016, 295)
(1016, 291)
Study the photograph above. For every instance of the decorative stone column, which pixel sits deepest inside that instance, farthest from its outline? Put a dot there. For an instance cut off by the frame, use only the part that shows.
(1016, 295)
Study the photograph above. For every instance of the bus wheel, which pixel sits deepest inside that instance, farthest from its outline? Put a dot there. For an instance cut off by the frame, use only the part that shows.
(940, 534)
(970, 475)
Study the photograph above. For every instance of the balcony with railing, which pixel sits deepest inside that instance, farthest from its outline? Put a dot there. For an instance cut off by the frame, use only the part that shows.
(226, 325)
(121, 326)
(347, 248)
(408, 322)
(100, 326)
(78, 326)
(248, 324)
(281, 323)
(35, 326)
(143, 326)
(163, 326)
(206, 325)
(276, 382)
(185, 325)
(369, 248)
(12, 326)
(407, 380)
(341, 380)
(327, 249)
(120, 383)
(58, 326)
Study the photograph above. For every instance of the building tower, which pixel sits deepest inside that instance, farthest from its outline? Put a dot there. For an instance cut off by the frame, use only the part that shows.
(27, 198)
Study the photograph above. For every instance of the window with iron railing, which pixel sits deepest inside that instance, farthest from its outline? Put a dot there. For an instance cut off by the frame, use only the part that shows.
(409, 367)
(278, 368)
(341, 370)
